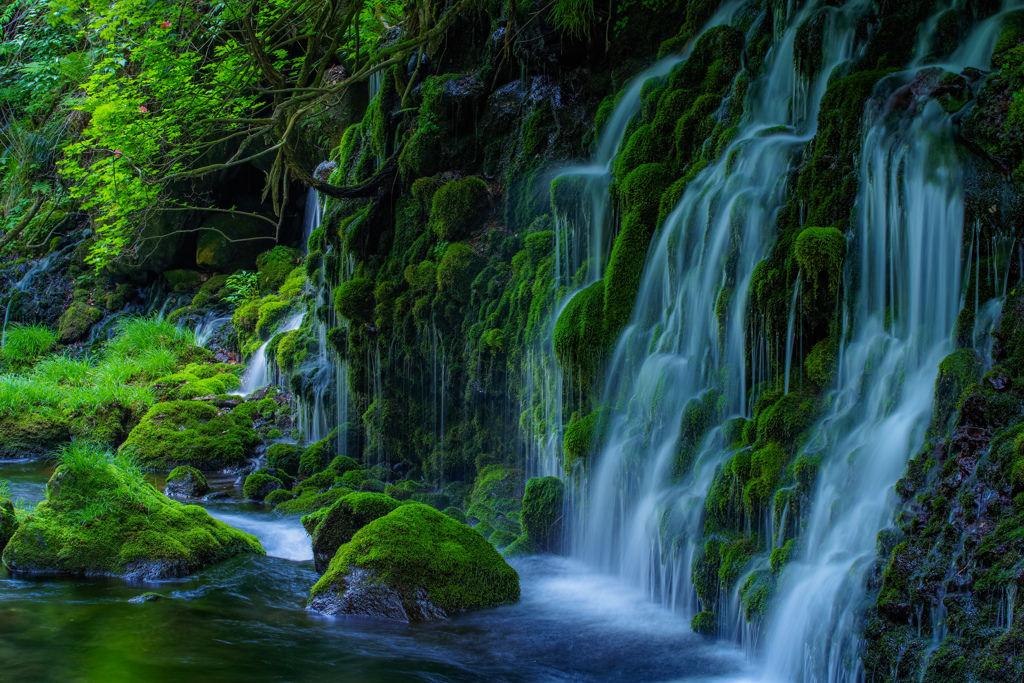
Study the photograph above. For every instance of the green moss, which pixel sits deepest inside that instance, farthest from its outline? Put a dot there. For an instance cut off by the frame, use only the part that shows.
(957, 371)
(183, 280)
(76, 321)
(625, 270)
(343, 519)
(274, 266)
(705, 624)
(502, 539)
(521, 547)
(641, 191)
(820, 363)
(278, 496)
(417, 551)
(285, 456)
(579, 341)
(456, 514)
(258, 485)
(820, 253)
(310, 500)
(456, 271)
(542, 512)
(585, 437)
(8, 522)
(498, 488)
(271, 313)
(191, 433)
(187, 478)
(101, 518)
(354, 300)
(458, 208)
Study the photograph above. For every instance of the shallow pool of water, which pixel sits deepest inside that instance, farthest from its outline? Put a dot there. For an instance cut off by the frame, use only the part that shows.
(245, 619)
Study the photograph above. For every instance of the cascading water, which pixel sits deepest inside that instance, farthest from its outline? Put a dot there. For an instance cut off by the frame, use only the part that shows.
(582, 240)
(630, 517)
(258, 373)
(905, 254)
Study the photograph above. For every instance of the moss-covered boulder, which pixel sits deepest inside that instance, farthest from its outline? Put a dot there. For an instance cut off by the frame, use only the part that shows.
(102, 519)
(458, 208)
(77, 321)
(542, 512)
(192, 433)
(343, 519)
(285, 456)
(8, 522)
(258, 486)
(274, 266)
(415, 564)
(32, 433)
(354, 300)
(186, 482)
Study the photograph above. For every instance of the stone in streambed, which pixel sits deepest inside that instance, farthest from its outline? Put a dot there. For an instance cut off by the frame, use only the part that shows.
(415, 564)
(103, 520)
(343, 519)
(186, 482)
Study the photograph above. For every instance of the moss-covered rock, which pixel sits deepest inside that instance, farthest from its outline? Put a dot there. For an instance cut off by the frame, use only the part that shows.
(415, 564)
(310, 500)
(274, 266)
(458, 208)
(102, 519)
(259, 485)
(354, 300)
(542, 512)
(585, 437)
(186, 482)
(182, 280)
(76, 321)
(343, 519)
(286, 456)
(278, 496)
(192, 433)
(8, 522)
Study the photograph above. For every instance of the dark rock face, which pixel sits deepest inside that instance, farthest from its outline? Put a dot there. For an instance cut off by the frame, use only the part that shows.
(362, 593)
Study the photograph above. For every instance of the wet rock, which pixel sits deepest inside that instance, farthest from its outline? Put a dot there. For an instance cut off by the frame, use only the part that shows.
(414, 564)
(186, 482)
(146, 597)
(343, 519)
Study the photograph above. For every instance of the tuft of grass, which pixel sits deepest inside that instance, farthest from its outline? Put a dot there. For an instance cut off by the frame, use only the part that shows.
(20, 393)
(138, 336)
(64, 370)
(23, 344)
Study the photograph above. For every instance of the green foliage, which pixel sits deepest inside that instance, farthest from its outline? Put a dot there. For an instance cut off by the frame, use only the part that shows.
(242, 287)
(573, 18)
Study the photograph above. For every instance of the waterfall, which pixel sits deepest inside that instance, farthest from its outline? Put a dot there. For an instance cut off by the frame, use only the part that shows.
(631, 516)
(906, 257)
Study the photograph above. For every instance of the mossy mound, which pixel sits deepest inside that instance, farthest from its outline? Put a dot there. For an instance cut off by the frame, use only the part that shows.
(343, 519)
(191, 433)
(285, 456)
(458, 208)
(259, 485)
(542, 512)
(103, 519)
(8, 522)
(76, 321)
(415, 564)
(309, 501)
(274, 266)
(186, 482)
(585, 437)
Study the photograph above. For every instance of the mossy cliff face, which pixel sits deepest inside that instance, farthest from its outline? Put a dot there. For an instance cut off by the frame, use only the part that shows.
(105, 520)
(415, 564)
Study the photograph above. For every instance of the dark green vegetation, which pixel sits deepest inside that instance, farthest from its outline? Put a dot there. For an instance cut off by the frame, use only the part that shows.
(433, 284)
(101, 518)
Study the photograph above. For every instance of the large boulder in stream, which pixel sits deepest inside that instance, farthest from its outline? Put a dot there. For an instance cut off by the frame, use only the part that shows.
(194, 433)
(415, 564)
(343, 519)
(101, 518)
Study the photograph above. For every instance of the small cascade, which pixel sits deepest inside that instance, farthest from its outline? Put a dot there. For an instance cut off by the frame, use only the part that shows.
(258, 371)
(25, 283)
